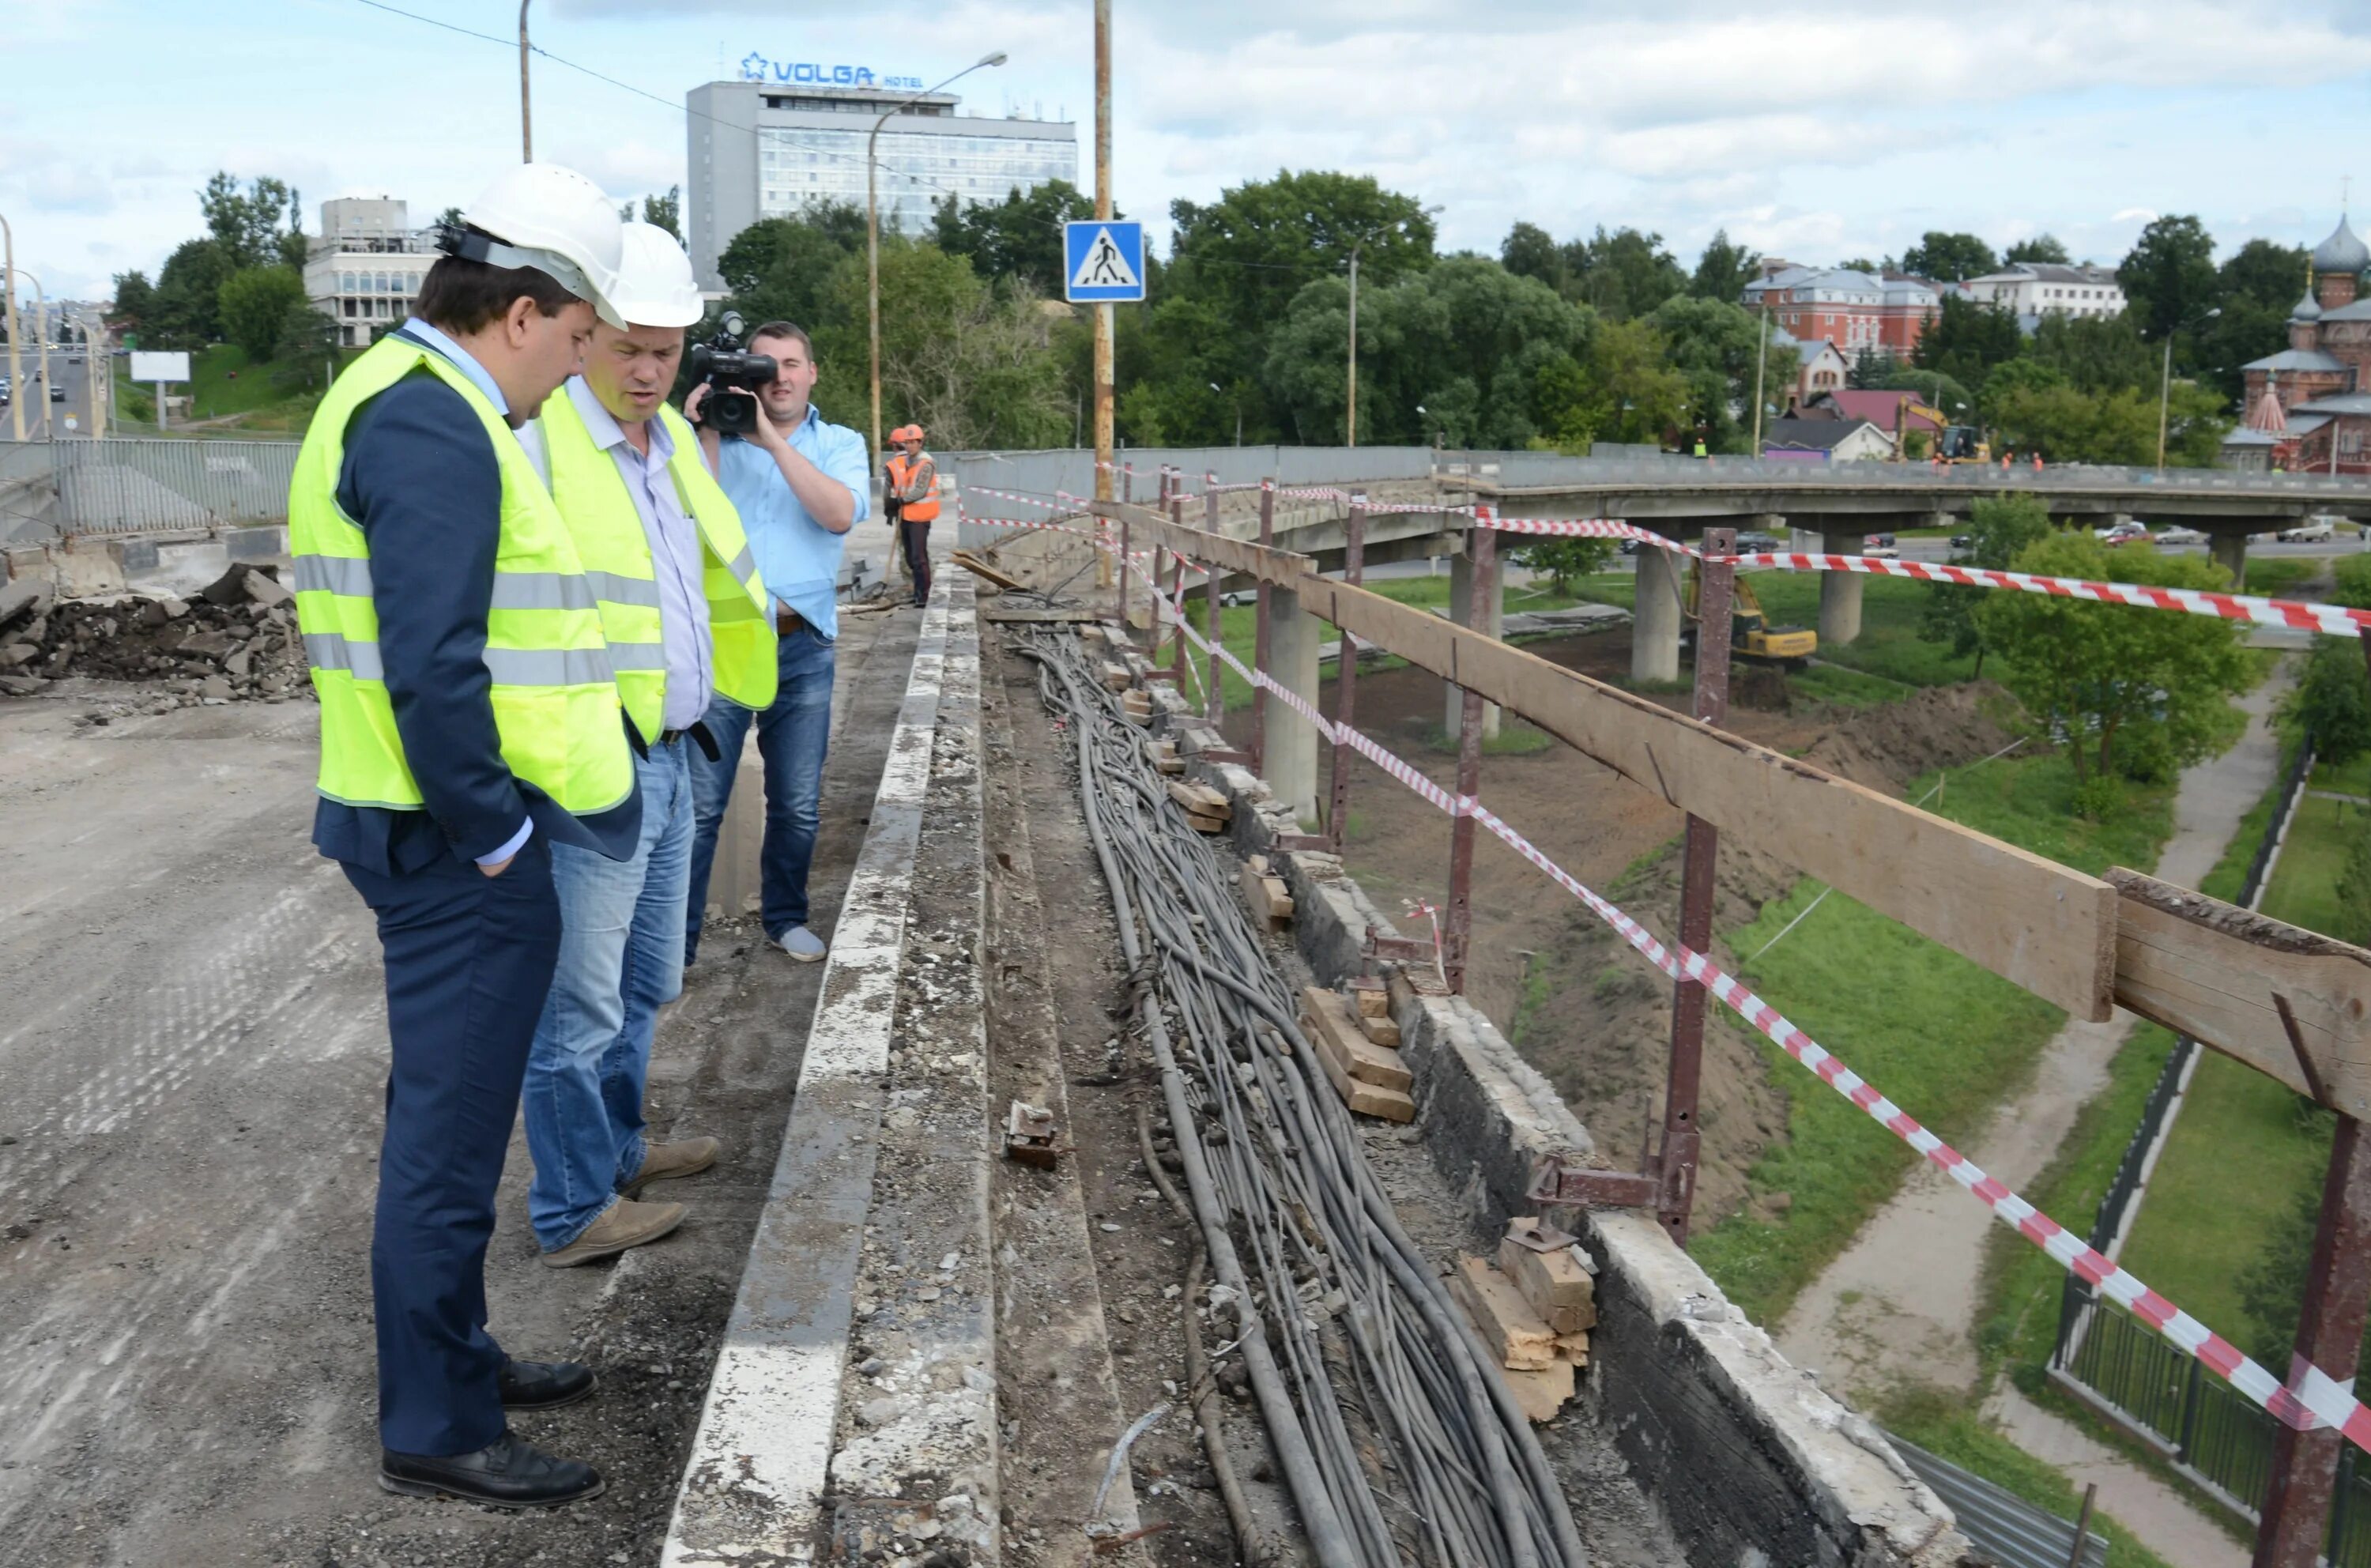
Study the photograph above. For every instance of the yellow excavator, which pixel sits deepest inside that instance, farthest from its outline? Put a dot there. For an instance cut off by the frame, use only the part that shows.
(1751, 636)
(1957, 443)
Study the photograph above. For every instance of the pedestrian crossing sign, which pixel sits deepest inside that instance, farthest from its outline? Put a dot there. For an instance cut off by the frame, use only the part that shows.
(1103, 261)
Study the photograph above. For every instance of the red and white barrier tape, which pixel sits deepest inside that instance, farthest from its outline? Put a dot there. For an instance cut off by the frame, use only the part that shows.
(2316, 1399)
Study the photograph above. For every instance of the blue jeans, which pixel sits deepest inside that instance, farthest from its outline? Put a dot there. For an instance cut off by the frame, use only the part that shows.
(620, 961)
(791, 736)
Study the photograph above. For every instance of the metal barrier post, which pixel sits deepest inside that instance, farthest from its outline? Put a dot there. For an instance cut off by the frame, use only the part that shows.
(1345, 679)
(1259, 633)
(1214, 706)
(1481, 545)
(1697, 895)
(1177, 588)
(1102, 528)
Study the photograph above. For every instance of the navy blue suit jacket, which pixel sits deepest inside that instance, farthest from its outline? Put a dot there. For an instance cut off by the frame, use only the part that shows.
(419, 476)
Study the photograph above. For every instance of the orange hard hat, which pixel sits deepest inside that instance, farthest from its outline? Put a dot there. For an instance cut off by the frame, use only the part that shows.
(913, 432)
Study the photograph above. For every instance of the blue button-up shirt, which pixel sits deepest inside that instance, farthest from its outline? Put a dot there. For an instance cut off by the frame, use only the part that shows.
(798, 556)
(674, 554)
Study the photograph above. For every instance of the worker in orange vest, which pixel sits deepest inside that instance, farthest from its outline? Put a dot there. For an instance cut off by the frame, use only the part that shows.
(913, 491)
(2037, 461)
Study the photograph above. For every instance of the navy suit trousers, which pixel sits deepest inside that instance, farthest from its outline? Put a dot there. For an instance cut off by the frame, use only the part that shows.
(469, 959)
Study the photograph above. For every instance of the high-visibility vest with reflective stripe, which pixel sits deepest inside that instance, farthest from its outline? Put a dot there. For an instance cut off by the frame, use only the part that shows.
(616, 550)
(554, 695)
(903, 471)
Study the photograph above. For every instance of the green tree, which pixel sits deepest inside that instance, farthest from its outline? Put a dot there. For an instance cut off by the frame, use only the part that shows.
(2168, 277)
(1724, 270)
(2012, 381)
(1949, 258)
(2333, 702)
(2115, 684)
(186, 312)
(2067, 426)
(2353, 581)
(1999, 527)
(1633, 395)
(2041, 247)
(307, 352)
(135, 301)
(2095, 353)
(2272, 1288)
(1713, 342)
(1935, 389)
(248, 224)
(1622, 274)
(1565, 560)
(1020, 237)
(256, 302)
(1529, 251)
(2257, 288)
(1860, 264)
(665, 212)
(449, 218)
(782, 269)
(1965, 340)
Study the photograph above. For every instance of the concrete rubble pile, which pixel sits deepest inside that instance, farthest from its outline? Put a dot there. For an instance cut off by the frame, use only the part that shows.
(235, 640)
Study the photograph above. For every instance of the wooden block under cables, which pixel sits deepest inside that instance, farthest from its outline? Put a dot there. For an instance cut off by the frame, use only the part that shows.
(1373, 998)
(1163, 756)
(1116, 676)
(1382, 1031)
(1512, 1331)
(1198, 799)
(1541, 1391)
(1335, 1030)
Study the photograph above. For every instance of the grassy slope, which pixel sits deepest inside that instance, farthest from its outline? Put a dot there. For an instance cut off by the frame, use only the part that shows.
(1944, 1038)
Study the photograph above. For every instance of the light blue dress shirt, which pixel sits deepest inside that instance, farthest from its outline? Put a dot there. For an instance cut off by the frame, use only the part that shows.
(798, 556)
(466, 364)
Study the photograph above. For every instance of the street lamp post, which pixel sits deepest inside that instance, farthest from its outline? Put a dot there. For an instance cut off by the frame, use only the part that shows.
(1239, 412)
(873, 225)
(93, 354)
(42, 335)
(526, 127)
(2165, 386)
(8, 278)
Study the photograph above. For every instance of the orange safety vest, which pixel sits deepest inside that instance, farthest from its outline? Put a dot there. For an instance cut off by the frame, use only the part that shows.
(902, 475)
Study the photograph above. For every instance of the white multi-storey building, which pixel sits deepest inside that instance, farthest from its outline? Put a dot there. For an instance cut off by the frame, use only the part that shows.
(789, 134)
(364, 272)
(2035, 288)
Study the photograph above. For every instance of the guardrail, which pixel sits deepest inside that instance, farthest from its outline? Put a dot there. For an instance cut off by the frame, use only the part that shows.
(138, 484)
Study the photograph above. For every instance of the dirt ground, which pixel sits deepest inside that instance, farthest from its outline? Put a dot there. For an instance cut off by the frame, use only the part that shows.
(1572, 994)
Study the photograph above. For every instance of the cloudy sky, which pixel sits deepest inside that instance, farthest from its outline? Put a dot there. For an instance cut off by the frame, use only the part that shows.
(1808, 129)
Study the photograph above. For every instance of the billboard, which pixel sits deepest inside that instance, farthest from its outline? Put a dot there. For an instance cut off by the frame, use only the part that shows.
(159, 366)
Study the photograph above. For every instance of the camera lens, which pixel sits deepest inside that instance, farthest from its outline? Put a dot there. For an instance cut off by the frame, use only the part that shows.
(732, 322)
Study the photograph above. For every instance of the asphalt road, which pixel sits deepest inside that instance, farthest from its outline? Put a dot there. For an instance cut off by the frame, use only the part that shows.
(35, 396)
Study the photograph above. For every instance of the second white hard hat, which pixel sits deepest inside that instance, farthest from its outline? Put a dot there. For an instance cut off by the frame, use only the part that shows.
(558, 222)
(654, 282)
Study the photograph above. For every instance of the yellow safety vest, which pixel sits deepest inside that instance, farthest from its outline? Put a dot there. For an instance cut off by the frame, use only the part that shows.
(616, 555)
(554, 695)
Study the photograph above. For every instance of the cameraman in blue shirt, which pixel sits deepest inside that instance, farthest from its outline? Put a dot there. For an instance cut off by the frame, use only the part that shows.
(800, 485)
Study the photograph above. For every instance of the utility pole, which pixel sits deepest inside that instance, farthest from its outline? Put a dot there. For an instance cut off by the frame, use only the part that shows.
(1103, 321)
(1761, 355)
(1350, 421)
(16, 381)
(527, 124)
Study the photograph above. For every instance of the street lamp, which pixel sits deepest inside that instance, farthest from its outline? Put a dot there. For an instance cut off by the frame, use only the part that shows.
(40, 332)
(1239, 412)
(872, 224)
(8, 279)
(2165, 386)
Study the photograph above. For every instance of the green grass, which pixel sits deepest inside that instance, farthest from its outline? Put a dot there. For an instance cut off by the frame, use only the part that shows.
(2303, 891)
(1946, 1038)
(1950, 1429)
(1843, 688)
(2274, 576)
(2206, 1213)
(2353, 778)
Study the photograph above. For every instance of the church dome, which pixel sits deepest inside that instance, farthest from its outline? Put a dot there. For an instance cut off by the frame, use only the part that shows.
(2342, 252)
(2306, 310)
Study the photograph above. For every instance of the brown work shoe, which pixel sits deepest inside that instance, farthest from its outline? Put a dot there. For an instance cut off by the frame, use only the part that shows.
(622, 1224)
(665, 1162)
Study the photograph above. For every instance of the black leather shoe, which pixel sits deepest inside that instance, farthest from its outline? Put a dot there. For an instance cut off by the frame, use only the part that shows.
(506, 1473)
(544, 1385)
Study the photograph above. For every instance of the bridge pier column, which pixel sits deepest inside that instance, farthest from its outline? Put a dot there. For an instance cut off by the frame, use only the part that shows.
(2230, 551)
(1840, 593)
(1655, 626)
(1460, 610)
(1291, 761)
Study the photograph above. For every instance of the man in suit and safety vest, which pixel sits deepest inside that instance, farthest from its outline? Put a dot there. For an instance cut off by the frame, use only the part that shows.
(470, 723)
(913, 487)
(687, 621)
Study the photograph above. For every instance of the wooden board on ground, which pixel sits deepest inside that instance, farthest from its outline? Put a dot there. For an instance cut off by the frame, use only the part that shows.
(1163, 755)
(1365, 1099)
(986, 573)
(1373, 998)
(1116, 676)
(1508, 1327)
(1383, 1032)
(1199, 800)
(1542, 1392)
(1011, 614)
(1335, 1030)
(1555, 1283)
(2212, 970)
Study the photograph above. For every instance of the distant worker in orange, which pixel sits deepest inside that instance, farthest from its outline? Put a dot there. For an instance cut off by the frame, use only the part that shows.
(913, 487)
(2037, 461)
(2007, 456)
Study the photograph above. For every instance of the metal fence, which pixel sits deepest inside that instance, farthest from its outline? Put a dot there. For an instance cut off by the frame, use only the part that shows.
(2210, 1432)
(2004, 1526)
(137, 484)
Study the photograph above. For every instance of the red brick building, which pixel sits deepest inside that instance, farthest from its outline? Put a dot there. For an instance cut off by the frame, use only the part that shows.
(1852, 309)
(2321, 385)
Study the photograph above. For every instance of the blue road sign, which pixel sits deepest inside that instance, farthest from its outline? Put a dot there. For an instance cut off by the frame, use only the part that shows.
(1103, 261)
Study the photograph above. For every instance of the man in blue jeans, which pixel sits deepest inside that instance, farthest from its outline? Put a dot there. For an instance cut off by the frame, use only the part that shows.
(800, 485)
(687, 622)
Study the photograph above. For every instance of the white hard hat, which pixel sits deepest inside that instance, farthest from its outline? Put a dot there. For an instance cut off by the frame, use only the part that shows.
(554, 220)
(654, 282)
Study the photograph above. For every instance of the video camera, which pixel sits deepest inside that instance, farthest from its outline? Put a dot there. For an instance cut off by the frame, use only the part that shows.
(722, 366)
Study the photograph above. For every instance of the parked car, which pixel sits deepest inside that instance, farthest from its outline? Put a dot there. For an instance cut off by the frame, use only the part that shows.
(1752, 541)
(2312, 531)
(2125, 532)
(1880, 546)
(2181, 534)
(57, 394)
